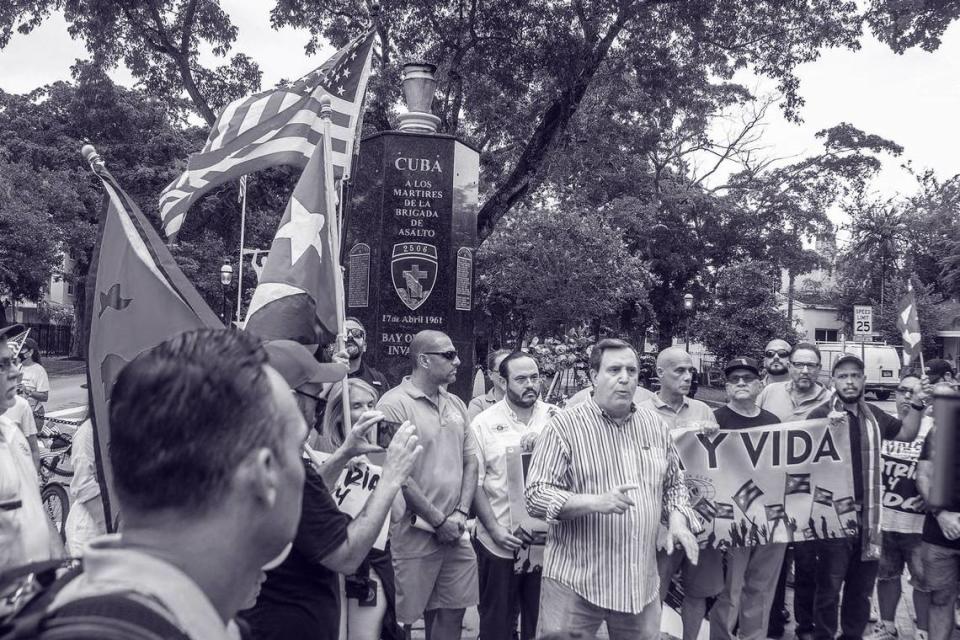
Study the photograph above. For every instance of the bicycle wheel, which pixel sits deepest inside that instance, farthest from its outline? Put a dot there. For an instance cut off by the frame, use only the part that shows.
(57, 505)
(56, 465)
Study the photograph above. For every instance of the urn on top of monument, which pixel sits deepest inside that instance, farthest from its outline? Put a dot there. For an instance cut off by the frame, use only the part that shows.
(419, 83)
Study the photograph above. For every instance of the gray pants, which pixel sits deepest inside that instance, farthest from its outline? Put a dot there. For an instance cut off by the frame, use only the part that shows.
(562, 609)
(749, 587)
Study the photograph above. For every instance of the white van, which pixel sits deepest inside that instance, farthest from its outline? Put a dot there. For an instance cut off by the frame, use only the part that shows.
(881, 362)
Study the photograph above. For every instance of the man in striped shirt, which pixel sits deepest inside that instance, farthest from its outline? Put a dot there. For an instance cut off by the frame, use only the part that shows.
(604, 474)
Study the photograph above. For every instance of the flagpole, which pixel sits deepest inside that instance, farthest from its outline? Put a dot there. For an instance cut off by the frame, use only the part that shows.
(243, 228)
(334, 231)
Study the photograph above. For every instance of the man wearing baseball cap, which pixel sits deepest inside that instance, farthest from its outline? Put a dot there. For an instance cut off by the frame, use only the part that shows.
(850, 565)
(747, 591)
(300, 597)
(26, 533)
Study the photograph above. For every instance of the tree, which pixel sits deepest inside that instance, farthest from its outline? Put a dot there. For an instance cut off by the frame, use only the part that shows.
(903, 25)
(744, 314)
(159, 41)
(546, 270)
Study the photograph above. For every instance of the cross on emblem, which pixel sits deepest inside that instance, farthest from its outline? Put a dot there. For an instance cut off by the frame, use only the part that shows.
(413, 276)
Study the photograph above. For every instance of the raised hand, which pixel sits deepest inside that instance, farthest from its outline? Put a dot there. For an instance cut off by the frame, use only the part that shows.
(402, 454)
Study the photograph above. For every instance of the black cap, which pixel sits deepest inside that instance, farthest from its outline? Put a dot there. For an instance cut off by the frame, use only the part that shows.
(845, 358)
(741, 362)
(938, 368)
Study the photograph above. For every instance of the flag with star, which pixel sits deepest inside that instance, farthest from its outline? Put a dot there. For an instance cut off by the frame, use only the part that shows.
(296, 296)
(796, 483)
(746, 494)
(725, 511)
(281, 126)
(823, 496)
(139, 298)
(908, 322)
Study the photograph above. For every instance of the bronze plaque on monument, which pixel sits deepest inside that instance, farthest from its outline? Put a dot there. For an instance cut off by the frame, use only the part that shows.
(411, 236)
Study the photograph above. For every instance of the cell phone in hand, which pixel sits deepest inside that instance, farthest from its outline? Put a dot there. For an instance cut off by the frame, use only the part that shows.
(385, 432)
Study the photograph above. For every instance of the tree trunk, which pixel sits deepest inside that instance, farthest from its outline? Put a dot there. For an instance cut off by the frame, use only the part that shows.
(3, 315)
(550, 126)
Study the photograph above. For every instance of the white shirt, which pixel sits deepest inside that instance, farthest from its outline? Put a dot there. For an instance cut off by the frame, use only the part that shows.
(109, 567)
(35, 378)
(24, 532)
(496, 429)
(21, 415)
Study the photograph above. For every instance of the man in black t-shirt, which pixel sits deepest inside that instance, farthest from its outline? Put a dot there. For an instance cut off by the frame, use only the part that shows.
(940, 548)
(356, 347)
(749, 586)
(841, 566)
(300, 597)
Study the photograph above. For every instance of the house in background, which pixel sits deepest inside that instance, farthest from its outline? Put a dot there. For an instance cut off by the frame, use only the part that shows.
(814, 315)
(58, 299)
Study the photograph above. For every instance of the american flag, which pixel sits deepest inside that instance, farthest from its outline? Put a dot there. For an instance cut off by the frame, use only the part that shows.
(277, 127)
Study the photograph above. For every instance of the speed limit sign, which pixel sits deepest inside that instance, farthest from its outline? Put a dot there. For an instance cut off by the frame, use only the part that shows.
(862, 320)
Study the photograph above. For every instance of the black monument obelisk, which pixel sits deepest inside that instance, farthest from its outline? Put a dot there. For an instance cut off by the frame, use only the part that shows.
(411, 236)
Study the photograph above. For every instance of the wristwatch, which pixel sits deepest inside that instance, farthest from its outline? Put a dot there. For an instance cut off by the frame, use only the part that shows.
(918, 407)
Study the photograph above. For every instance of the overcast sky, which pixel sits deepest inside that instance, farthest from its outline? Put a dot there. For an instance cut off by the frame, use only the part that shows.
(913, 99)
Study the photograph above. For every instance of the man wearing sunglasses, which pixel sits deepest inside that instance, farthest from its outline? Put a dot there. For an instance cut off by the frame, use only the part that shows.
(26, 533)
(356, 346)
(435, 565)
(791, 401)
(748, 587)
(776, 357)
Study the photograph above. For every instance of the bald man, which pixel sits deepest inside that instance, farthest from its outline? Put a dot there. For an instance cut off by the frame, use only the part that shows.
(776, 357)
(434, 562)
(680, 413)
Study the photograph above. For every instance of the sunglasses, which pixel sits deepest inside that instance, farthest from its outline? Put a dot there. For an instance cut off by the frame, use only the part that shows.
(307, 395)
(748, 378)
(356, 333)
(446, 355)
(781, 353)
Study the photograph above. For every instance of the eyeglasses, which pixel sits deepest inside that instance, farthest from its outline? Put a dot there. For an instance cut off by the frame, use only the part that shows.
(446, 355)
(809, 366)
(747, 377)
(522, 380)
(356, 333)
(6, 364)
(778, 353)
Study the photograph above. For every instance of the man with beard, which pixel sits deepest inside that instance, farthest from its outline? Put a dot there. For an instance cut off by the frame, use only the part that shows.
(356, 346)
(850, 565)
(776, 355)
(507, 588)
(791, 401)
(435, 565)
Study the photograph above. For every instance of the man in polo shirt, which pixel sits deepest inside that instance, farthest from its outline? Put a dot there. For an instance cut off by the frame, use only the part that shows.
(848, 565)
(355, 346)
(679, 413)
(497, 389)
(790, 401)
(776, 355)
(435, 565)
(507, 587)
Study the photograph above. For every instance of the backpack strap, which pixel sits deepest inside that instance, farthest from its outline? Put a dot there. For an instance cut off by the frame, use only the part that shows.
(123, 615)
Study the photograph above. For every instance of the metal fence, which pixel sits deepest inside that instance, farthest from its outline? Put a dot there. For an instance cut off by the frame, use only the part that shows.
(52, 339)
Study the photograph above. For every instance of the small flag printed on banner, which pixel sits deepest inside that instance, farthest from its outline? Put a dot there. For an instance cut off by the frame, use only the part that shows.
(823, 496)
(775, 512)
(16, 343)
(845, 505)
(706, 509)
(747, 494)
(725, 511)
(797, 483)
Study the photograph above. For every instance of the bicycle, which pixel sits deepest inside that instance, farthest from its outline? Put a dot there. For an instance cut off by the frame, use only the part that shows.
(54, 467)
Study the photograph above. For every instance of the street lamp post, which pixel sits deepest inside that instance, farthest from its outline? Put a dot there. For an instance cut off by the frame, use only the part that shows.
(688, 309)
(226, 277)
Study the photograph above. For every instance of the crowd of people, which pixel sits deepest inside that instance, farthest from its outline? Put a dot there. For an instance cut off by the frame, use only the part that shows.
(226, 455)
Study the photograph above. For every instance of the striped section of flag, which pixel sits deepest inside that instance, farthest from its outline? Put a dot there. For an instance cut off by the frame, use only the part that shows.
(277, 127)
(908, 322)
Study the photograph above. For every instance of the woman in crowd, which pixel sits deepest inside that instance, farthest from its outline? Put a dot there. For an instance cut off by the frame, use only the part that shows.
(85, 520)
(34, 384)
(362, 622)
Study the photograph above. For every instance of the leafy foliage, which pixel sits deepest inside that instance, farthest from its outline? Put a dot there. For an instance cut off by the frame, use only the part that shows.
(743, 314)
